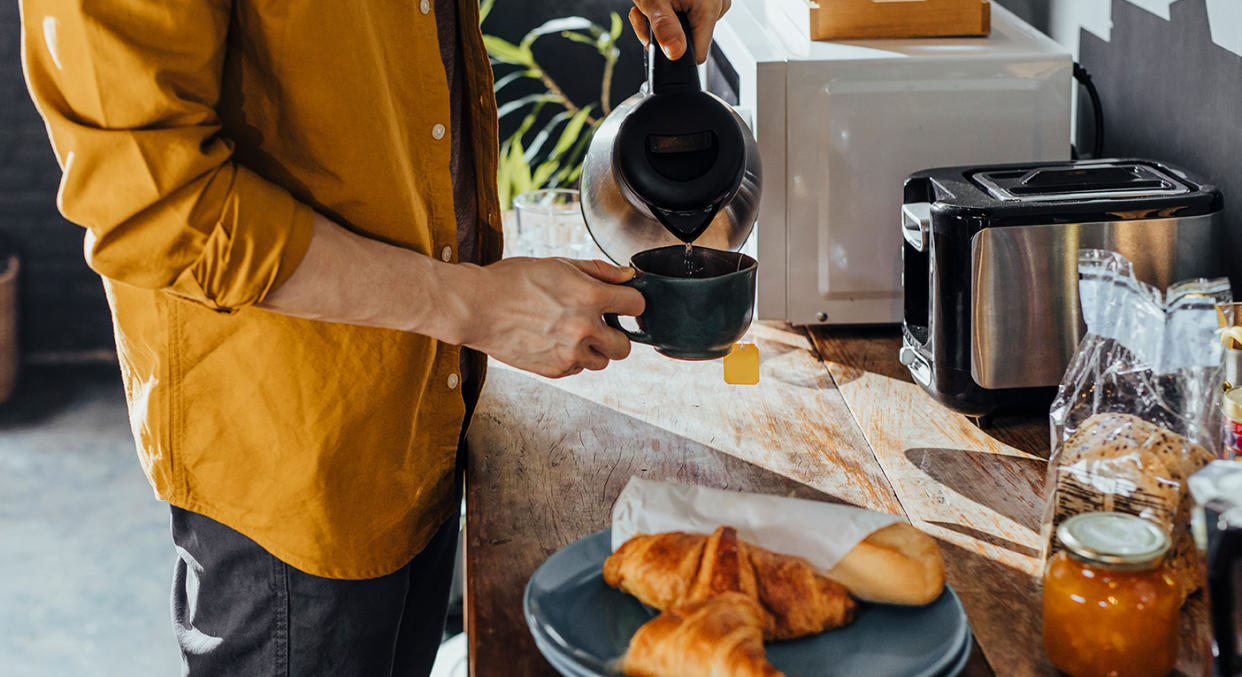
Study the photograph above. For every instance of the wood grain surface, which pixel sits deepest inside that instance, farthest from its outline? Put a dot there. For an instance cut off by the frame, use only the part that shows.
(794, 422)
(548, 458)
(859, 19)
(979, 492)
(545, 467)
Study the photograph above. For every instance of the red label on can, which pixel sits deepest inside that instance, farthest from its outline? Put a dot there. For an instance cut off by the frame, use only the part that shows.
(1233, 439)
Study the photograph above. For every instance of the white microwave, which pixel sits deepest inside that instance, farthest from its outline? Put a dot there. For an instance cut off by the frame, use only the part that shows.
(841, 124)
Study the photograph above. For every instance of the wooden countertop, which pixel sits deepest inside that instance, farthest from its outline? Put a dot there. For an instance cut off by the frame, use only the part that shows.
(834, 417)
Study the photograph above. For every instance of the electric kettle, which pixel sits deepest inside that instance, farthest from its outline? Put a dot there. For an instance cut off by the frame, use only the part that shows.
(671, 164)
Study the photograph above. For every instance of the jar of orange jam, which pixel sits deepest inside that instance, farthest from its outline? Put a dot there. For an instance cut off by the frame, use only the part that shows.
(1110, 607)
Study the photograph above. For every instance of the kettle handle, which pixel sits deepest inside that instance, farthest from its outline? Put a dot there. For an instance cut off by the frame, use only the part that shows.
(670, 77)
(1222, 557)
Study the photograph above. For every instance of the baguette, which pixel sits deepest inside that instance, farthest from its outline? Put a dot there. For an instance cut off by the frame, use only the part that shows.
(895, 565)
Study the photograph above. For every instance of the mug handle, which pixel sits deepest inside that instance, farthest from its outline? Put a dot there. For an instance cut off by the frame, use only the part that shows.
(610, 319)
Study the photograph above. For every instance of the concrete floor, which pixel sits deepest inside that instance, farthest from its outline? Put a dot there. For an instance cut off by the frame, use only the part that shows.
(85, 554)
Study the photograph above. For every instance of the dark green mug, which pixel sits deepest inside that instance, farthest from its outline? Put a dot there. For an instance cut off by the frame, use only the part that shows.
(697, 306)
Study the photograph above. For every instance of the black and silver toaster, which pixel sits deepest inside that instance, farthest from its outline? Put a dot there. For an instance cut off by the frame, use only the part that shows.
(991, 315)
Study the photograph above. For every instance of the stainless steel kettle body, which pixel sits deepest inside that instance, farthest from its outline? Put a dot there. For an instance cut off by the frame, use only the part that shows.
(623, 222)
(623, 225)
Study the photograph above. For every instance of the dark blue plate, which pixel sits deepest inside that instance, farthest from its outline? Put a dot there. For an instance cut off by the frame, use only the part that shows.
(583, 627)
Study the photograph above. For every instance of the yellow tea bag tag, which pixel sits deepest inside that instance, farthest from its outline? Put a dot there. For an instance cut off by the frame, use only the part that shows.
(741, 365)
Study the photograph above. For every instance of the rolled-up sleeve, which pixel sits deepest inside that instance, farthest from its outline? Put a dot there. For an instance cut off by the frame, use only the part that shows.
(129, 91)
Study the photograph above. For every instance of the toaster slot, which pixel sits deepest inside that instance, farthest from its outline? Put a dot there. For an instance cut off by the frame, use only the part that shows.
(1067, 179)
(916, 284)
(1081, 181)
(916, 252)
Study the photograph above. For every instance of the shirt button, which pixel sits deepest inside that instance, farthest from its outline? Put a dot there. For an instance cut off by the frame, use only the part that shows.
(424, 6)
(453, 380)
(437, 132)
(446, 254)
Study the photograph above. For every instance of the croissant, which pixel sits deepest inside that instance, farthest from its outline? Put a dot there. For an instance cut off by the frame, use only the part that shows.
(659, 569)
(665, 570)
(801, 600)
(723, 567)
(714, 637)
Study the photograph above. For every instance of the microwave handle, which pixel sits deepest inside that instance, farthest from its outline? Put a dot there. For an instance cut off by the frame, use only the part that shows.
(1222, 559)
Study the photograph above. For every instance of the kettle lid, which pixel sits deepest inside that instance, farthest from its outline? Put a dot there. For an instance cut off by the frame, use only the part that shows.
(681, 151)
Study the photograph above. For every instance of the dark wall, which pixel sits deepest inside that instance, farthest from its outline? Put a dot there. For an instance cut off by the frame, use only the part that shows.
(1034, 12)
(1171, 94)
(576, 68)
(62, 302)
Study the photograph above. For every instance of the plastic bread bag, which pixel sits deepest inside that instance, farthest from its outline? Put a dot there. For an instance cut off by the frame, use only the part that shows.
(1137, 409)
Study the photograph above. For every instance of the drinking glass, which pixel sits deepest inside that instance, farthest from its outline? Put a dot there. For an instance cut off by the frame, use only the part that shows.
(549, 223)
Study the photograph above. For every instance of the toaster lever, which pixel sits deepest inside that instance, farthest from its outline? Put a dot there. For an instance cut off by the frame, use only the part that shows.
(916, 223)
(919, 368)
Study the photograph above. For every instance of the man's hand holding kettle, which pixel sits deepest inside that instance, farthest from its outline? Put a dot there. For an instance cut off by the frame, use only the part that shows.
(667, 29)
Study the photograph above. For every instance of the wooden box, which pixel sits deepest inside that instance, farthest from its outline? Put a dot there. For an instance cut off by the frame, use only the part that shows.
(867, 19)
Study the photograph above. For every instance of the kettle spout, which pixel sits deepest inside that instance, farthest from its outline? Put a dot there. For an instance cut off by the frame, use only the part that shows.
(686, 226)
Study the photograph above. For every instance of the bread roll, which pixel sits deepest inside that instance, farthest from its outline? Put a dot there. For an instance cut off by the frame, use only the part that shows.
(895, 565)
(1123, 463)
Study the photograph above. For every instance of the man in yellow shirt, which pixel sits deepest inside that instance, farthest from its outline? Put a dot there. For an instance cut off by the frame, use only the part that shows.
(292, 209)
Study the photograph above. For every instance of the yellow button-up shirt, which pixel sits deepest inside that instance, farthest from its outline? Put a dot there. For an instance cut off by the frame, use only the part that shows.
(196, 137)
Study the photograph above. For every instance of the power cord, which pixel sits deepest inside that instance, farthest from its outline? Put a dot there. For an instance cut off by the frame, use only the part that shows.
(1097, 111)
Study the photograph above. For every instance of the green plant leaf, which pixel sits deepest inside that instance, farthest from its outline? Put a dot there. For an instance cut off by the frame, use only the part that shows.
(553, 157)
(485, 8)
(573, 176)
(503, 191)
(536, 144)
(520, 73)
(520, 170)
(569, 135)
(504, 180)
(507, 52)
(615, 30)
(522, 129)
(517, 104)
(569, 23)
(544, 172)
(579, 37)
(571, 165)
(527, 122)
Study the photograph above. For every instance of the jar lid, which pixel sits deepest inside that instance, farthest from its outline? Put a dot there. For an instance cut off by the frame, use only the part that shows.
(1233, 403)
(1114, 539)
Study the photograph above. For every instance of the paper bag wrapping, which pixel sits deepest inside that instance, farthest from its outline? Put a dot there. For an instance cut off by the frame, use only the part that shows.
(820, 532)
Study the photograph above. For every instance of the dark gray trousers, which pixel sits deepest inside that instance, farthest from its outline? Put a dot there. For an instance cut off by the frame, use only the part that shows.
(237, 610)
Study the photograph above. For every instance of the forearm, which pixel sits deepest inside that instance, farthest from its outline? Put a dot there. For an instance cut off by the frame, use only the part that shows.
(542, 315)
(351, 279)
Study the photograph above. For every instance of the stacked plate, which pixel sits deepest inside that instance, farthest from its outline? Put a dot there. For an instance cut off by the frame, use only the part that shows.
(583, 627)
